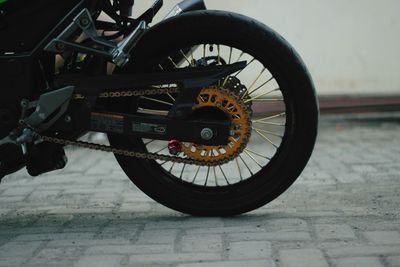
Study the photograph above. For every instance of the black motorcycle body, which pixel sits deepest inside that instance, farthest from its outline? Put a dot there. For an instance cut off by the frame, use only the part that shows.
(65, 72)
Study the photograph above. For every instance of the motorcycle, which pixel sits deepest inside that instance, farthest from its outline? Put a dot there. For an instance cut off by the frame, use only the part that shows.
(208, 112)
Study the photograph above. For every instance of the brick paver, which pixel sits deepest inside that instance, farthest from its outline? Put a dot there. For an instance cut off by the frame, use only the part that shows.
(342, 211)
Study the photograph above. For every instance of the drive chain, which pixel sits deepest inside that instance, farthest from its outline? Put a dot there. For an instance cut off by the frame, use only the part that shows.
(145, 155)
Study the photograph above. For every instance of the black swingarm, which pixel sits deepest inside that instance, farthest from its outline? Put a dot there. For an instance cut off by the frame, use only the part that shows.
(207, 132)
(177, 125)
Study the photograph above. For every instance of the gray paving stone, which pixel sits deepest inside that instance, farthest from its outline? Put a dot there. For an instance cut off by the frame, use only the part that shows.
(345, 204)
(250, 250)
(135, 207)
(350, 178)
(129, 249)
(118, 232)
(287, 224)
(394, 261)
(364, 168)
(363, 250)
(225, 230)
(334, 231)
(201, 243)
(383, 237)
(72, 242)
(12, 199)
(43, 195)
(247, 263)
(57, 257)
(172, 258)
(54, 236)
(17, 191)
(100, 261)
(11, 261)
(185, 224)
(18, 249)
(167, 236)
(359, 262)
(4, 212)
(271, 236)
(302, 258)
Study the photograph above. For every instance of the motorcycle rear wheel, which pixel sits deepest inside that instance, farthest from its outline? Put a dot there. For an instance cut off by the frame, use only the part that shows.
(248, 188)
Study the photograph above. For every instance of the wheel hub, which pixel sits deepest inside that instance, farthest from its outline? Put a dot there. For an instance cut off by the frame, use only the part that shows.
(221, 101)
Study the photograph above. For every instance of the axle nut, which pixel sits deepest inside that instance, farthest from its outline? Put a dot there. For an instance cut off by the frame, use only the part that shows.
(207, 134)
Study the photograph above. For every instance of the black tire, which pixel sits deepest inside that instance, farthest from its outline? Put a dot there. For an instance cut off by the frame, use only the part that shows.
(212, 27)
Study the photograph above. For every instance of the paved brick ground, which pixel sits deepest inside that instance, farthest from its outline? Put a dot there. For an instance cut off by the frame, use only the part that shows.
(343, 211)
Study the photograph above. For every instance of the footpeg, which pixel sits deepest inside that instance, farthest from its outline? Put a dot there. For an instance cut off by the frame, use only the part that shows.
(46, 158)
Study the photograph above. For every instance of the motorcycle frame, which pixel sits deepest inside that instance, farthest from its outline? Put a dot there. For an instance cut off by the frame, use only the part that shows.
(23, 86)
(21, 64)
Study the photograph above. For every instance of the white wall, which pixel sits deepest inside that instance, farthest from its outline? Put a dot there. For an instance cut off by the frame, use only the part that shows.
(350, 46)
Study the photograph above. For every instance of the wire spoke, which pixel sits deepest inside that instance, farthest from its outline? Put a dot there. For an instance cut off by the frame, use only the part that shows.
(191, 54)
(202, 99)
(271, 117)
(266, 138)
(271, 123)
(259, 87)
(149, 142)
(267, 132)
(172, 98)
(250, 156)
(223, 174)
(215, 176)
(257, 154)
(240, 71)
(157, 100)
(195, 176)
(208, 173)
(240, 173)
(245, 164)
(219, 54)
(186, 58)
(170, 169)
(266, 100)
(240, 56)
(165, 162)
(161, 149)
(230, 55)
(264, 94)
(183, 169)
(173, 63)
(258, 77)
(152, 111)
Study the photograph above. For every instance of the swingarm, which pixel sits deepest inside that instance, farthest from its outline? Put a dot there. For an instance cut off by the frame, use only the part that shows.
(179, 123)
(207, 132)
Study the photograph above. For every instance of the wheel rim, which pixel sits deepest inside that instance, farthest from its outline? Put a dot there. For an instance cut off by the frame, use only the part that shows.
(269, 121)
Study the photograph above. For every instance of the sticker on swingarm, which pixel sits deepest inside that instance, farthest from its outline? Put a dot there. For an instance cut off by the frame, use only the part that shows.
(141, 127)
(107, 123)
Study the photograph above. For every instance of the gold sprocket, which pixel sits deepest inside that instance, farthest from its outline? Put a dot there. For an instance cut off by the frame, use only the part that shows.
(227, 102)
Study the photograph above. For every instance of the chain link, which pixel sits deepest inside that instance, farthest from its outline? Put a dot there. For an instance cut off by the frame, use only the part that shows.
(134, 93)
(148, 155)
